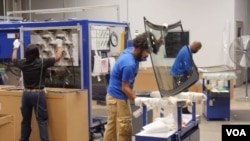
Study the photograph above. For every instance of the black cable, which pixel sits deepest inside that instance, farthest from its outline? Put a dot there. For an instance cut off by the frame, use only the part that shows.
(74, 75)
(37, 105)
(72, 64)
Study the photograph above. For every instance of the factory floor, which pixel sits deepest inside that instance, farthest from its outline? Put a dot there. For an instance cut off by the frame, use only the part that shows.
(210, 130)
(239, 111)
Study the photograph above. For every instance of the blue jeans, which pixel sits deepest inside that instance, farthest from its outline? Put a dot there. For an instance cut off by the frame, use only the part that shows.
(36, 101)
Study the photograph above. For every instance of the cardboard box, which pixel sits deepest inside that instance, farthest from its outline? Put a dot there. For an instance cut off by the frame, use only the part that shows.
(6, 128)
(145, 80)
(67, 109)
(197, 87)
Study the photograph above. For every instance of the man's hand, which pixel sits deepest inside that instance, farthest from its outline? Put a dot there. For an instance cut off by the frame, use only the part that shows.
(59, 43)
(16, 44)
(160, 41)
(59, 46)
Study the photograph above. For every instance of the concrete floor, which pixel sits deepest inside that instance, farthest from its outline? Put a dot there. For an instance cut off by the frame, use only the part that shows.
(210, 130)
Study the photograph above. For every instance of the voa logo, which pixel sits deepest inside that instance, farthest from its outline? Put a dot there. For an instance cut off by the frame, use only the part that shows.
(236, 132)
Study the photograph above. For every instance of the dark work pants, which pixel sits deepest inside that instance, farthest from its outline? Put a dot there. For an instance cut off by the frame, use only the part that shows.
(36, 101)
(178, 80)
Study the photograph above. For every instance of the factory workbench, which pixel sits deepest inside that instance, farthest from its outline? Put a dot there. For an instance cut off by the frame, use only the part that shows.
(67, 109)
(190, 132)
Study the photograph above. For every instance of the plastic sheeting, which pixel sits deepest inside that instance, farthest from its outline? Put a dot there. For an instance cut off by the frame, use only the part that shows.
(218, 73)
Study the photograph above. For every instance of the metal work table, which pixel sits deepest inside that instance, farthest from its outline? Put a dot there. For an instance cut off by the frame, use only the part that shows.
(189, 133)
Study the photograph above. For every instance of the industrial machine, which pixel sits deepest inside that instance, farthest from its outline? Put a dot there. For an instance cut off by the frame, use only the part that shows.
(90, 48)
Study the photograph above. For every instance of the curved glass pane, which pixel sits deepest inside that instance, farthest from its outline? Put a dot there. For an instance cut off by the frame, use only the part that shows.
(163, 56)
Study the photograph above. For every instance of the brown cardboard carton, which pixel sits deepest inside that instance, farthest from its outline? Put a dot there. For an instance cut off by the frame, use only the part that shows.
(6, 128)
(67, 109)
(145, 80)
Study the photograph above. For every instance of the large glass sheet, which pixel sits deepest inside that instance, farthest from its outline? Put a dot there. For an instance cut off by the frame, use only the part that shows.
(163, 57)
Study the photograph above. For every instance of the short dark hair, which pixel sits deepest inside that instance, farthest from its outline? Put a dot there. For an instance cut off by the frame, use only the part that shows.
(31, 52)
(140, 41)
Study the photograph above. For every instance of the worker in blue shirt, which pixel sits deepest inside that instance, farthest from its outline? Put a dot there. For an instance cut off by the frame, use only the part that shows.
(120, 89)
(183, 66)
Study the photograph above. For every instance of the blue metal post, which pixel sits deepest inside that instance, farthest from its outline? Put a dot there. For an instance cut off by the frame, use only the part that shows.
(179, 116)
(194, 111)
(144, 115)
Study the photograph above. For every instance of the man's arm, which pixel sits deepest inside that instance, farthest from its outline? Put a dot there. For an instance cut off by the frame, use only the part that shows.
(128, 91)
(59, 46)
(14, 54)
(16, 45)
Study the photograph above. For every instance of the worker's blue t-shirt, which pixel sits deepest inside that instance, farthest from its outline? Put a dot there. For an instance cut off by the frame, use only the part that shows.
(125, 69)
(183, 62)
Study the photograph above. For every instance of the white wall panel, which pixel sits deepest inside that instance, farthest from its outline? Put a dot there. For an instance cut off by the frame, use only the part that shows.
(206, 20)
(242, 12)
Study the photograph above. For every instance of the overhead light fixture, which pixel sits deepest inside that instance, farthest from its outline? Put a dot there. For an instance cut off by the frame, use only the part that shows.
(60, 11)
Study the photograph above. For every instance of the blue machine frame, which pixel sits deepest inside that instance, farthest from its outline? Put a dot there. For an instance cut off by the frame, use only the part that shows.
(15, 27)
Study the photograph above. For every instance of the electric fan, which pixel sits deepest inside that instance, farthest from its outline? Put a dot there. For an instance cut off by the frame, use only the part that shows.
(239, 52)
